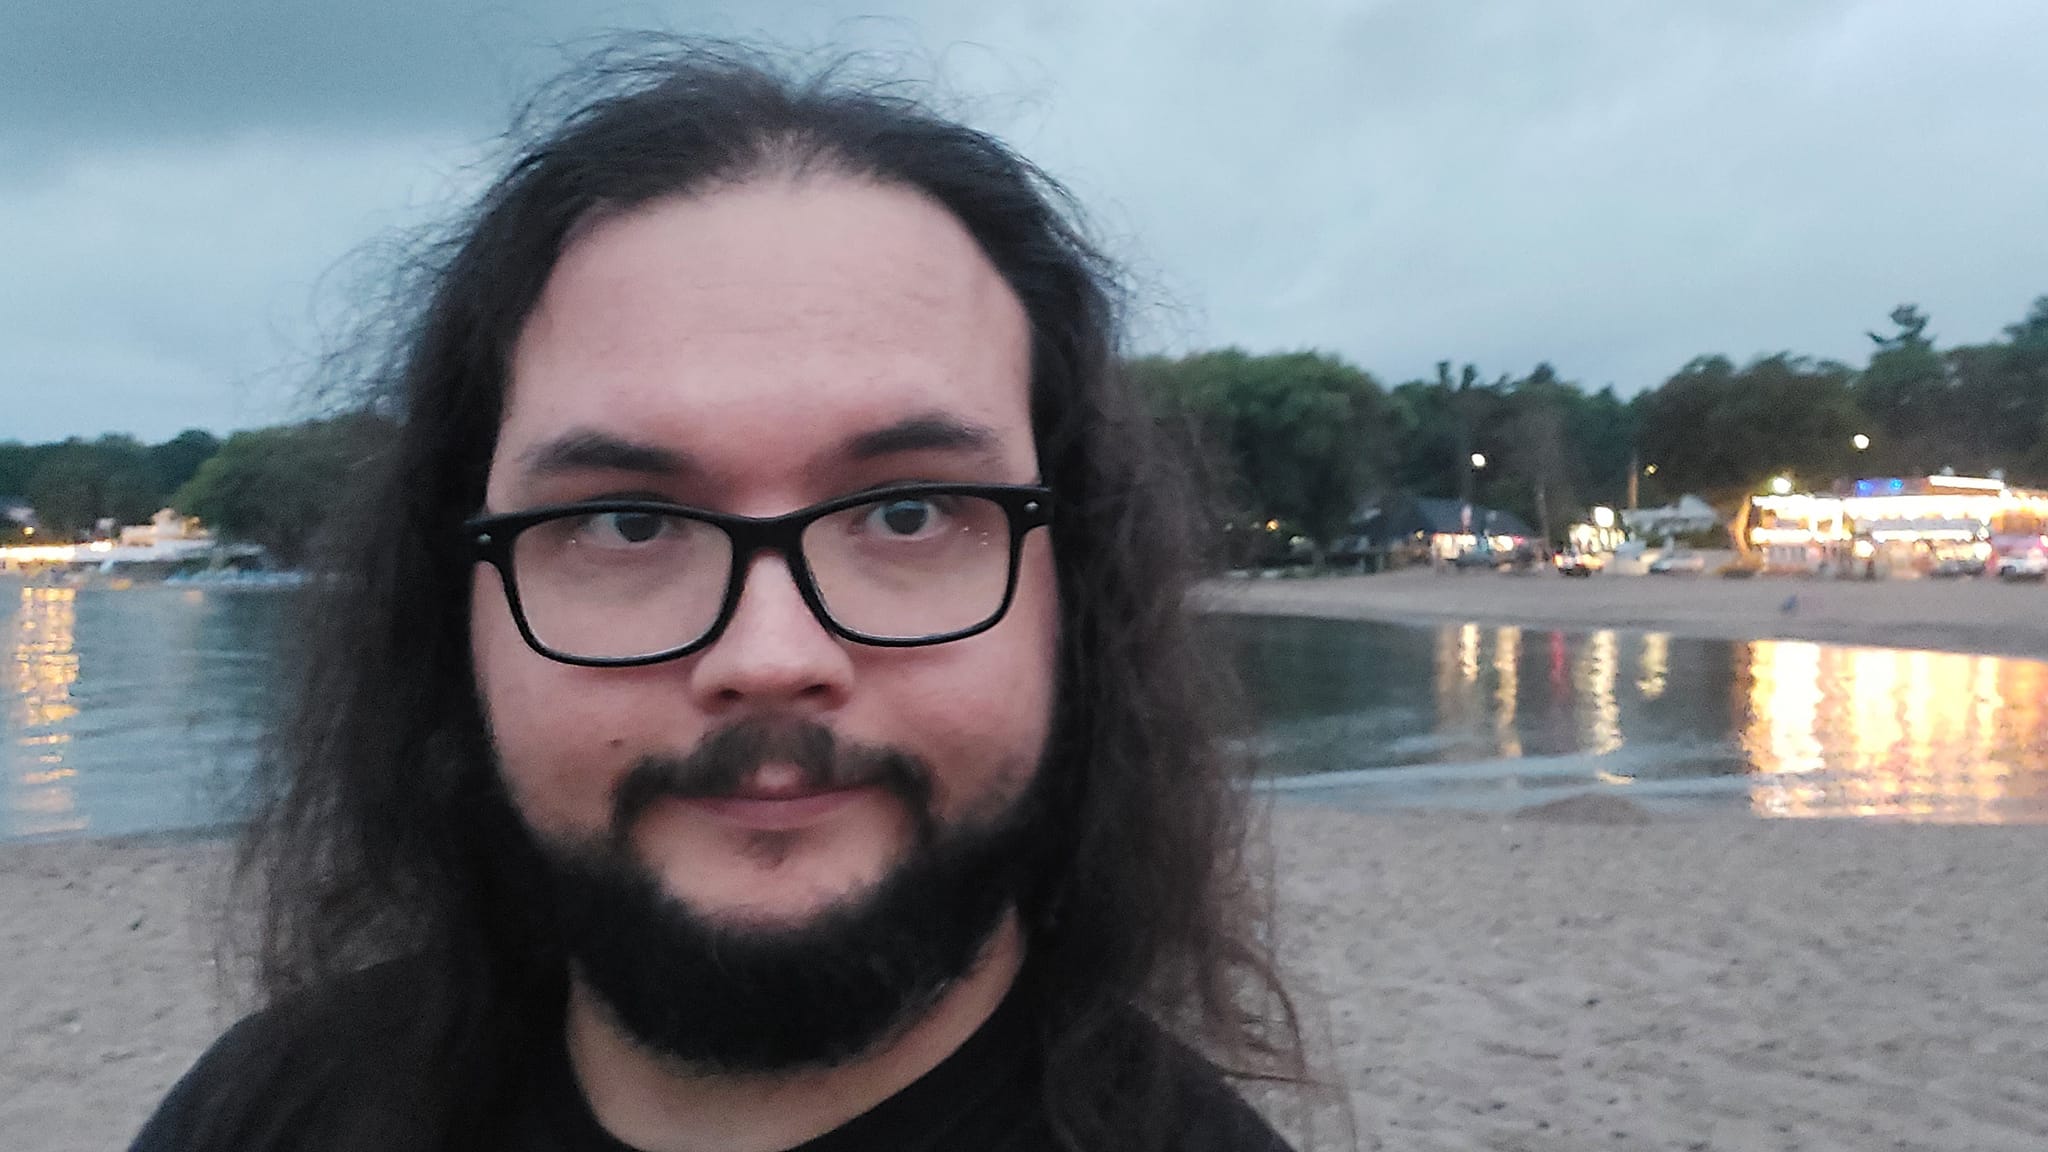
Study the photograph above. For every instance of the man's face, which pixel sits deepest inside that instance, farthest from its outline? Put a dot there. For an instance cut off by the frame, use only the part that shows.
(755, 350)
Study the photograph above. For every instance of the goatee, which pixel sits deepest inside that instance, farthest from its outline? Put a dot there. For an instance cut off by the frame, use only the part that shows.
(739, 997)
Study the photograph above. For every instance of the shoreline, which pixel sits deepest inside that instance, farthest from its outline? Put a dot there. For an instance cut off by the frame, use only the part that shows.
(1972, 617)
(1552, 980)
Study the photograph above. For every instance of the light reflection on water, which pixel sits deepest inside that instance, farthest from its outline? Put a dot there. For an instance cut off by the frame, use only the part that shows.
(41, 799)
(1879, 732)
(1513, 716)
(139, 711)
(128, 711)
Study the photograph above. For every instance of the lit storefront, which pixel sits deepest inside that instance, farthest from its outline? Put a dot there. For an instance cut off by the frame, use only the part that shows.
(1896, 527)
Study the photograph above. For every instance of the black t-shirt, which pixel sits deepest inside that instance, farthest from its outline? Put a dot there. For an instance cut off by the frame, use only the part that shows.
(335, 1076)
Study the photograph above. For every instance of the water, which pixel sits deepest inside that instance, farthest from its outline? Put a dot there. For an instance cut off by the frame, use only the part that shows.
(1493, 717)
(138, 710)
(129, 711)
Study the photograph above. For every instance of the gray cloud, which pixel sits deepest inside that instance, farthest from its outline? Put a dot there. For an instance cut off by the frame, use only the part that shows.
(1612, 186)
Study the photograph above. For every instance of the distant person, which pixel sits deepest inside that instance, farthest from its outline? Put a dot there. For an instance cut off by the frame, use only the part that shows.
(752, 707)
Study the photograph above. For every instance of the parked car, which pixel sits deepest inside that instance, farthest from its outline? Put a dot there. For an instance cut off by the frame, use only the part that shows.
(1675, 562)
(1573, 562)
(2029, 565)
(1483, 558)
(1952, 566)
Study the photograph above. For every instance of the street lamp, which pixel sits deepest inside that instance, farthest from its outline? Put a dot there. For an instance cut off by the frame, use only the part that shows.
(1650, 470)
(1603, 517)
(1479, 459)
(1781, 485)
(1861, 442)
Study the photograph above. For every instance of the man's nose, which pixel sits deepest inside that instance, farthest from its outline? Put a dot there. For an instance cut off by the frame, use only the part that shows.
(774, 654)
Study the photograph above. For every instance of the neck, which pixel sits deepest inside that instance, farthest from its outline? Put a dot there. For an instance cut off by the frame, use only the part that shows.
(652, 1105)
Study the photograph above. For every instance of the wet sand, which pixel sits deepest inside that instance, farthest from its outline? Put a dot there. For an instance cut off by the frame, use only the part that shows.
(1974, 615)
(1570, 979)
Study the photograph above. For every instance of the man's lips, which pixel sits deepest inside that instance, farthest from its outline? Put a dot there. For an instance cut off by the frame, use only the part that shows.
(778, 811)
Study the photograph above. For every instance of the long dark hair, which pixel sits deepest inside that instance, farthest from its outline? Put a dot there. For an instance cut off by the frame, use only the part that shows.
(380, 831)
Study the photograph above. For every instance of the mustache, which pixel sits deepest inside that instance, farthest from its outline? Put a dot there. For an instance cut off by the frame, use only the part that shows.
(722, 762)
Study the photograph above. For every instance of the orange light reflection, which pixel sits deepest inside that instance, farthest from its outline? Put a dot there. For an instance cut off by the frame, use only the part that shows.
(40, 799)
(1893, 734)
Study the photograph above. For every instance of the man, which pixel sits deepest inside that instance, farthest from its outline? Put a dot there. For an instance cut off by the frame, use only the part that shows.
(754, 710)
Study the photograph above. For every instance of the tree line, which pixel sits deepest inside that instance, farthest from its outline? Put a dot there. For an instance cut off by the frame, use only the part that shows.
(1293, 440)
(1296, 441)
(269, 486)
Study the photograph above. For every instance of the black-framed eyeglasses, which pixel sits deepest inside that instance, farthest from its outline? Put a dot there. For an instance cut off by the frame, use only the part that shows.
(616, 583)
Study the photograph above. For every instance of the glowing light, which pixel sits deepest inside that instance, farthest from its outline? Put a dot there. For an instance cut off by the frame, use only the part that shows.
(1861, 442)
(1781, 485)
(1650, 471)
(1272, 525)
(1972, 483)
(1479, 460)
(1594, 675)
(1507, 653)
(1603, 517)
(40, 553)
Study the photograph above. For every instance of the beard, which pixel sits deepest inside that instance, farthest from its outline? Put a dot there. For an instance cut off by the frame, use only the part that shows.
(740, 997)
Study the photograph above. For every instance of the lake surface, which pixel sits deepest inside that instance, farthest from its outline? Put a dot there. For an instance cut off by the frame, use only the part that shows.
(1494, 717)
(138, 710)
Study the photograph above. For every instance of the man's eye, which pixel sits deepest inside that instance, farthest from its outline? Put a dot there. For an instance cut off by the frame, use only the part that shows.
(908, 517)
(616, 528)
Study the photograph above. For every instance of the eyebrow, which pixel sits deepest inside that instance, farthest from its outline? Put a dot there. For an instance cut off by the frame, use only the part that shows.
(924, 433)
(588, 450)
(584, 450)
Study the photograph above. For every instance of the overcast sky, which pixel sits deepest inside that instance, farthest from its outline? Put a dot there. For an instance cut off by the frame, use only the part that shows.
(193, 195)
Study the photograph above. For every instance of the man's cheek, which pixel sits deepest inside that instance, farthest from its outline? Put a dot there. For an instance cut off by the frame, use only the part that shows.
(561, 785)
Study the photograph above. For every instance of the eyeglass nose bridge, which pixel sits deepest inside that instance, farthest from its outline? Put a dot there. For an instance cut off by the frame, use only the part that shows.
(784, 537)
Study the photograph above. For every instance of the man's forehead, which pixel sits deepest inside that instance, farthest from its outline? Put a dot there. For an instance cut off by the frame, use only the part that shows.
(793, 323)
(831, 259)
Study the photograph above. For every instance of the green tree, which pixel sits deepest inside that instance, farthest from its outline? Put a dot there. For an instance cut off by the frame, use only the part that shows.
(276, 486)
(1905, 392)
(132, 491)
(18, 464)
(1425, 429)
(1539, 461)
(1723, 431)
(1297, 437)
(178, 459)
(68, 490)
(1601, 429)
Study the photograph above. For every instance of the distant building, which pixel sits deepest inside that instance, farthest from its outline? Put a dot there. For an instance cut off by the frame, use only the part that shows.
(1399, 528)
(166, 527)
(165, 542)
(1691, 514)
(1897, 526)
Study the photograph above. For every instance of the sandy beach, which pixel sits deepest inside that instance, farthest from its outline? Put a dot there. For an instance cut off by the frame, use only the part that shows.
(1556, 980)
(1974, 615)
